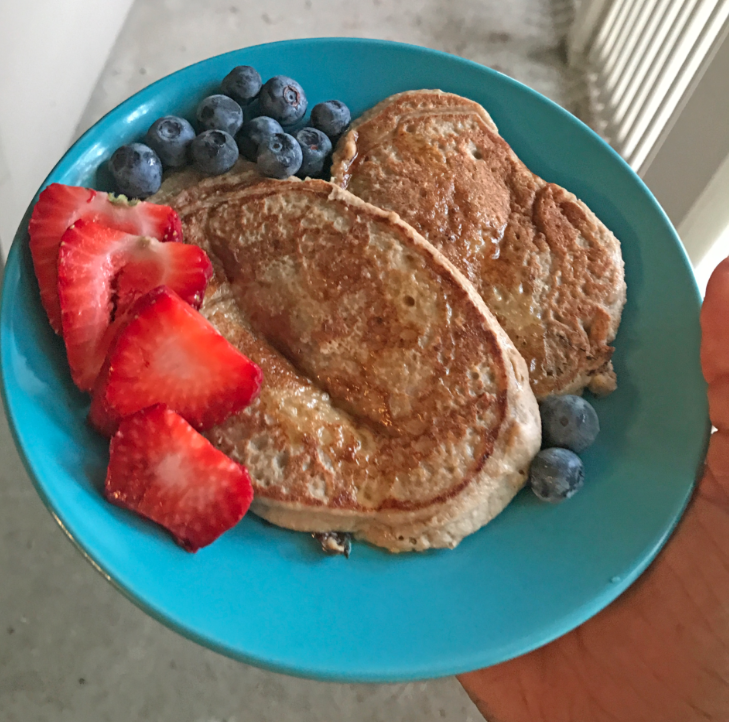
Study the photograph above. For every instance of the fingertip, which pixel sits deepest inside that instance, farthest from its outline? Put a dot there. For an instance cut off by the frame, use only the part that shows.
(715, 324)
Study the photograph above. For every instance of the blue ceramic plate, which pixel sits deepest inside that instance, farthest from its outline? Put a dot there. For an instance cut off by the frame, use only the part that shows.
(268, 596)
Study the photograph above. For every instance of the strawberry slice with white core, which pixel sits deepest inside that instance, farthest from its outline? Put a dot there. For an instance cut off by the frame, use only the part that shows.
(169, 354)
(60, 205)
(164, 470)
(101, 272)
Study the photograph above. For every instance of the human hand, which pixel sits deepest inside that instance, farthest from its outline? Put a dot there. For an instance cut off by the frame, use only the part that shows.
(659, 653)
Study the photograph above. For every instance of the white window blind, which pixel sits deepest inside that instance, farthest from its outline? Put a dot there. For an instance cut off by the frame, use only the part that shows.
(642, 60)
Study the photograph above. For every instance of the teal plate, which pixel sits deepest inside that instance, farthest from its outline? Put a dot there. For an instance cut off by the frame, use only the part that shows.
(267, 596)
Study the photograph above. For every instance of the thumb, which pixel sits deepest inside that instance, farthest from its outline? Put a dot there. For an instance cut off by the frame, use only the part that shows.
(715, 328)
(715, 365)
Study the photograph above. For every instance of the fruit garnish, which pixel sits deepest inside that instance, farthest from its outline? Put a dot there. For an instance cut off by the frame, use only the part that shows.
(331, 117)
(315, 149)
(279, 156)
(213, 152)
(102, 272)
(282, 99)
(569, 422)
(219, 112)
(170, 137)
(243, 84)
(164, 470)
(252, 134)
(556, 474)
(168, 353)
(60, 205)
(137, 170)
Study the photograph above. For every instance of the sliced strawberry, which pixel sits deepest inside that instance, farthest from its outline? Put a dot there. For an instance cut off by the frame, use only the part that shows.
(101, 272)
(59, 206)
(169, 354)
(163, 469)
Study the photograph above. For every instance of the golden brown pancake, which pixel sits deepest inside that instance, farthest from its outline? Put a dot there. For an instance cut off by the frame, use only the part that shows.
(393, 405)
(547, 268)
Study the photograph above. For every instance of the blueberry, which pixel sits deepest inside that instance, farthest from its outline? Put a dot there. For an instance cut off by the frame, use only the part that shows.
(219, 112)
(556, 474)
(169, 137)
(137, 170)
(315, 147)
(214, 152)
(331, 117)
(568, 421)
(242, 84)
(279, 156)
(282, 99)
(253, 132)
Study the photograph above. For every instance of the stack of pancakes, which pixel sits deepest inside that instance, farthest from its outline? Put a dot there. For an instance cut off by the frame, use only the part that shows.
(406, 316)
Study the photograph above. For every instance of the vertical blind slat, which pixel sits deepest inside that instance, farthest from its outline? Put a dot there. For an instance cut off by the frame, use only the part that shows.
(644, 53)
(642, 61)
(615, 74)
(669, 63)
(613, 33)
(709, 32)
(650, 68)
(622, 45)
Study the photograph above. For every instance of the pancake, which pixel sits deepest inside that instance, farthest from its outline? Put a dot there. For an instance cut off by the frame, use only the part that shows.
(549, 270)
(393, 404)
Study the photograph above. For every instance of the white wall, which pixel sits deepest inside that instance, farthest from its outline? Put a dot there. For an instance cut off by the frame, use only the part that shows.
(689, 173)
(693, 148)
(705, 229)
(51, 55)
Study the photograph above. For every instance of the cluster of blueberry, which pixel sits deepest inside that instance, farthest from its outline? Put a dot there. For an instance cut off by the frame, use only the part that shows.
(171, 142)
(569, 426)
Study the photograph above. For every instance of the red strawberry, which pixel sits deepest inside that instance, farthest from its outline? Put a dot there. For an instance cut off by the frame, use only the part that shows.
(169, 354)
(59, 206)
(161, 468)
(101, 272)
